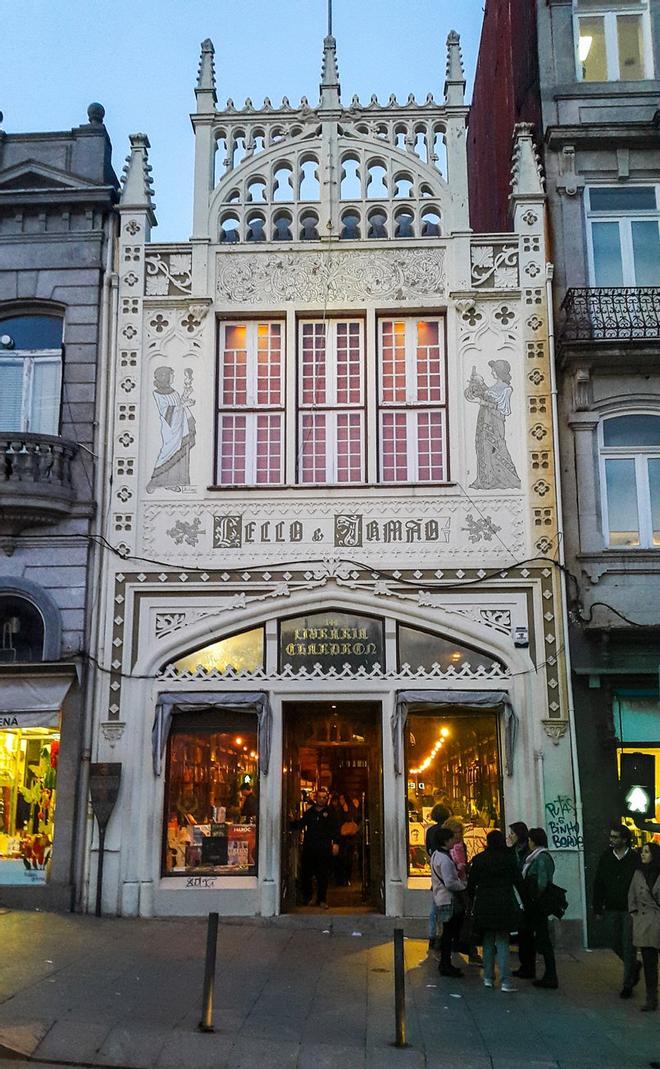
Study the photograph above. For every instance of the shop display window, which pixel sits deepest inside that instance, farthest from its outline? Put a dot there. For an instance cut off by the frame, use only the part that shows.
(211, 795)
(421, 649)
(238, 653)
(637, 726)
(454, 760)
(28, 775)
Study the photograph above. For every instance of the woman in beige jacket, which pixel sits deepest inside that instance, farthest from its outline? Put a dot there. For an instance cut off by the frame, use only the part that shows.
(644, 906)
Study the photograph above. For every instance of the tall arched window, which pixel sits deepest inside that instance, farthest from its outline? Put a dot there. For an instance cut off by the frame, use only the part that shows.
(30, 373)
(630, 477)
(21, 631)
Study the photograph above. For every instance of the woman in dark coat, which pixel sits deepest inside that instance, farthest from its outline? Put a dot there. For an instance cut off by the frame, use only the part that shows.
(494, 885)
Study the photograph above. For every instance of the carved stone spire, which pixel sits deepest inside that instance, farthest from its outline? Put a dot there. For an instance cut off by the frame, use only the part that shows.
(205, 91)
(330, 88)
(137, 187)
(455, 77)
(526, 173)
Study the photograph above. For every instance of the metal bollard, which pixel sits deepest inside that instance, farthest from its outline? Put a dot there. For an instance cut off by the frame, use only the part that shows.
(206, 1023)
(399, 989)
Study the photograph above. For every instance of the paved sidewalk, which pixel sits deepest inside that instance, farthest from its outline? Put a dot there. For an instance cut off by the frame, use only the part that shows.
(290, 995)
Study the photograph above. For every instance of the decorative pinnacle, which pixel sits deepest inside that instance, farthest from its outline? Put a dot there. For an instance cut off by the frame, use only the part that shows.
(455, 76)
(206, 72)
(526, 174)
(137, 186)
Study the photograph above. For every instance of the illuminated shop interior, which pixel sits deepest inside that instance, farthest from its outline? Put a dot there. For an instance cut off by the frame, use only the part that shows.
(28, 776)
(454, 760)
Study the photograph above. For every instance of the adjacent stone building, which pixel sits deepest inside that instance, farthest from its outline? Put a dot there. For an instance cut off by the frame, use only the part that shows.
(333, 511)
(57, 197)
(589, 82)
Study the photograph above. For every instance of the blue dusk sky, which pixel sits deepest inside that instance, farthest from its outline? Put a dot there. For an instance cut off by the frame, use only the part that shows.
(139, 59)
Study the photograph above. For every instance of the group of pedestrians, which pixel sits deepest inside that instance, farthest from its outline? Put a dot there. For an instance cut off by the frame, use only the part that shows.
(508, 888)
(502, 891)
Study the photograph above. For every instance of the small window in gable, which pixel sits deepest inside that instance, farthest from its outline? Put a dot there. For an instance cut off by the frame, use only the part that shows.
(256, 191)
(283, 182)
(229, 230)
(309, 181)
(376, 181)
(403, 186)
(30, 373)
(351, 185)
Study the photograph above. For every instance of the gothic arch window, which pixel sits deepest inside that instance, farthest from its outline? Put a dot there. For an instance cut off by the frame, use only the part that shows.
(309, 188)
(229, 229)
(421, 145)
(376, 180)
(256, 227)
(377, 223)
(256, 191)
(243, 652)
(351, 182)
(404, 224)
(630, 478)
(239, 149)
(424, 649)
(282, 227)
(283, 182)
(309, 226)
(430, 223)
(350, 225)
(403, 186)
(30, 373)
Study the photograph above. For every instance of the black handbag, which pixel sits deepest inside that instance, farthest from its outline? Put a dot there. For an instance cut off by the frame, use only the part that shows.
(553, 901)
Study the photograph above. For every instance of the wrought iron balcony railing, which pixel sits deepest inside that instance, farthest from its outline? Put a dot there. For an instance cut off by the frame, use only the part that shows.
(623, 313)
(35, 481)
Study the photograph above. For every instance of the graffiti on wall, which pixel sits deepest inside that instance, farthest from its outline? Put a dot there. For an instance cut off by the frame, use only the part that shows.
(562, 824)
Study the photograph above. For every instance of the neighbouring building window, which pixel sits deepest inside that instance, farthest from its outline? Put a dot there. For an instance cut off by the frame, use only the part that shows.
(28, 781)
(636, 716)
(453, 760)
(624, 235)
(211, 795)
(251, 404)
(630, 474)
(613, 41)
(21, 631)
(30, 373)
(412, 398)
(331, 416)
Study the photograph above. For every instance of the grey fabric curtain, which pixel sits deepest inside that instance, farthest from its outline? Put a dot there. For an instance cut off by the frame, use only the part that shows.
(468, 699)
(169, 705)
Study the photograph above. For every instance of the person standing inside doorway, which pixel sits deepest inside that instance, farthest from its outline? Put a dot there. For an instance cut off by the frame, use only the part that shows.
(320, 846)
(614, 874)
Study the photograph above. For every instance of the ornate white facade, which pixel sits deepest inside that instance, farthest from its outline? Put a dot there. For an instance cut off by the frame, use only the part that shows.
(322, 214)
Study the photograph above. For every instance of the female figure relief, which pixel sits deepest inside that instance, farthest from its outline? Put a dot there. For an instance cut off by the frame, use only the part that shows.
(495, 468)
(177, 431)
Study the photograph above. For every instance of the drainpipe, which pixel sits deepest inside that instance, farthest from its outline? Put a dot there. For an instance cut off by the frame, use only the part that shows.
(549, 273)
(101, 439)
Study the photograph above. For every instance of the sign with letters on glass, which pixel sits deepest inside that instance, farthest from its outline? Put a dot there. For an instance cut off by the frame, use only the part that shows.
(331, 639)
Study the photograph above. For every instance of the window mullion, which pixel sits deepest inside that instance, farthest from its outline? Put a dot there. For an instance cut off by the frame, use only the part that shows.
(644, 501)
(28, 382)
(611, 46)
(411, 361)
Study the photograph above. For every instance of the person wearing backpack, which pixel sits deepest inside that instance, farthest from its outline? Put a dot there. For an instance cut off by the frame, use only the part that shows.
(445, 886)
(537, 873)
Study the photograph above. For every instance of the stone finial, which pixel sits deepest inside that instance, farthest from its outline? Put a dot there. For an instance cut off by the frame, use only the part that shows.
(96, 113)
(455, 76)
(330, 88)
(137, 186)
(526, 174)
(205, 90)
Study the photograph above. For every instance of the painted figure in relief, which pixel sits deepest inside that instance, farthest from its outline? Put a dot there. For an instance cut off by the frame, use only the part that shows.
(177, 431)
(495, 468)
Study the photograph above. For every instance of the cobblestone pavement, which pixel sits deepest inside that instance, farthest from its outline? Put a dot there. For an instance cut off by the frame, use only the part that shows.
(293, 994)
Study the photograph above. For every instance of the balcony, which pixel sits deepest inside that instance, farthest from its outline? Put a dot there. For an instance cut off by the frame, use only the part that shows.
(35, 482)
(621, 314)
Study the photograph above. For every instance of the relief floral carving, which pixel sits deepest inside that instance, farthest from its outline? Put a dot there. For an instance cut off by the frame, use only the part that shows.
(494, 266)
(168, 274)
(312, 276)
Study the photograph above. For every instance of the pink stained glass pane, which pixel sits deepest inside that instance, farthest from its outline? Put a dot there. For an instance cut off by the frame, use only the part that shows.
(394, 447)
(313, 369)
(431, 446)
(349, 447)
(313, 447)
(268, 462)
(349, 364)
(234, 366)
(430, 370)
(269, 364)
(393, 362)
(232, 450)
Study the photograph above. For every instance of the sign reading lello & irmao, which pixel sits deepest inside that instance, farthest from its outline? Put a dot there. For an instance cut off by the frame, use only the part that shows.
(350, 530)
(331, 639)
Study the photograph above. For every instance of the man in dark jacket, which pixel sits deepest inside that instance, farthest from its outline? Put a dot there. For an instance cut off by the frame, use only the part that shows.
(613, 875)
(321, 841)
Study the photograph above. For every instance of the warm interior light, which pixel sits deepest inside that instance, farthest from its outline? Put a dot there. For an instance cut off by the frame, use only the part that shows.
(444, 732)
(584, 47)
(238, 740)
(455, 656)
